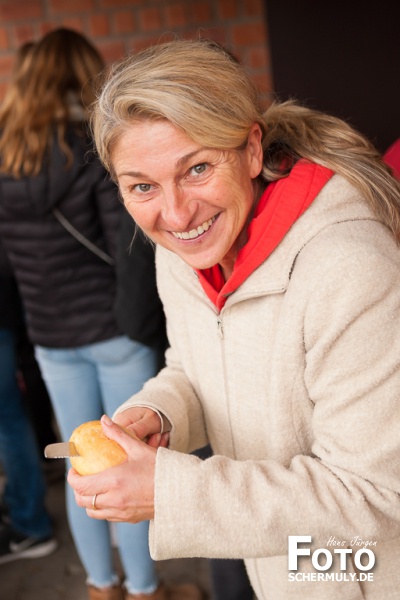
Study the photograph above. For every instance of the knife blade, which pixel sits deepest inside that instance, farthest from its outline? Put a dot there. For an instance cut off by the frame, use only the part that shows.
(61, 450)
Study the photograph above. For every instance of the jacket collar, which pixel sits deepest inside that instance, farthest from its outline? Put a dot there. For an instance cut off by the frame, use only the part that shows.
(338, 202)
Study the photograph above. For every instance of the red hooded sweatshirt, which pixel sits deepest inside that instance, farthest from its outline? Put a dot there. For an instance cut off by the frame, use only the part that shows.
(392, 157)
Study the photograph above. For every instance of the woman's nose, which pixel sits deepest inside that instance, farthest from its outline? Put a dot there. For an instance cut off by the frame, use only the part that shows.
(178, 209)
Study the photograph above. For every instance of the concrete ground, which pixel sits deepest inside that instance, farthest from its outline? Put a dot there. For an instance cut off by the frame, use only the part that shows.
(60, 576)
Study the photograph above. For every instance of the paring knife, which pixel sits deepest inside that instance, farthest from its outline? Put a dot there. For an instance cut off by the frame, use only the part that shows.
(61, 450)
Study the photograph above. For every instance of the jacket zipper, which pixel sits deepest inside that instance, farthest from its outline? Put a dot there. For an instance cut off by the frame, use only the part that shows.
(220, 328)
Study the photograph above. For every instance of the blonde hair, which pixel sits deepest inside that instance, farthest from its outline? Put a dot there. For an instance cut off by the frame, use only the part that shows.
(170, 81)
(38, 99)
(19, 74)
(201, 88)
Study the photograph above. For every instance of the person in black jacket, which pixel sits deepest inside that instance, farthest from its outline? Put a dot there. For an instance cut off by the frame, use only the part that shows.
(25, 521)
(59, 220)
(138, 308)
(35, 395)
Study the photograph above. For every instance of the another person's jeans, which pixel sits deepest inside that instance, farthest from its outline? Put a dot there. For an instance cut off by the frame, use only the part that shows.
(24, 493)
(84, 383)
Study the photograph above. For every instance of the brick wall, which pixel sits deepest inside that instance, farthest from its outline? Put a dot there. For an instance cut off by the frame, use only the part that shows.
(117, 27)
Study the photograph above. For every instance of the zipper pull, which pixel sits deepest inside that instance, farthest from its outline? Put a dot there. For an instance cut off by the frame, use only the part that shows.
(220, 328)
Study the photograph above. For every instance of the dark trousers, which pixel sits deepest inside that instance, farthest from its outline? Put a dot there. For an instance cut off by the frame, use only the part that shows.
(34, 392)
(229, 580)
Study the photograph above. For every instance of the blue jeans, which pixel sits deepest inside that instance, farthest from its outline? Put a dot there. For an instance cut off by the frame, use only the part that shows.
(83, 384)
(24, 493)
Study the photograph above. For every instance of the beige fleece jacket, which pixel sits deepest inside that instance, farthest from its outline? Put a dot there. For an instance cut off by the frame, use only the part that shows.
(296, 385)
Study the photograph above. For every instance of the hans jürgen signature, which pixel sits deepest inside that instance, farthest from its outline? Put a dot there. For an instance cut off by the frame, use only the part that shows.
(355, 541)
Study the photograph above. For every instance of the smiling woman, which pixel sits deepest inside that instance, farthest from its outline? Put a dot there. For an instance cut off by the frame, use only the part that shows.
(193, 188)
(278, 266)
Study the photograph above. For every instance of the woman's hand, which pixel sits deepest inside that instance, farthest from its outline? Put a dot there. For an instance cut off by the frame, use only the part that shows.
(122, 493)
(143, 422)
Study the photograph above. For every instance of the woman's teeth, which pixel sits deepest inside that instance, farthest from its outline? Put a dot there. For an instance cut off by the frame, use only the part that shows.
(194, 233)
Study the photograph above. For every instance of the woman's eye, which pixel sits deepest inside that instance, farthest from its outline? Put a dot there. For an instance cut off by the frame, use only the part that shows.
(139, 192)
(199, 169)
(142, 187)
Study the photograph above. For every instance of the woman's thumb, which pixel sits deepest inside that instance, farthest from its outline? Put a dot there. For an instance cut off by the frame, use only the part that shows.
(122, 436)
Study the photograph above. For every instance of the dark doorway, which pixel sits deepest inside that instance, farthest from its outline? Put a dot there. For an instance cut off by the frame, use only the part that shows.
(340, 57)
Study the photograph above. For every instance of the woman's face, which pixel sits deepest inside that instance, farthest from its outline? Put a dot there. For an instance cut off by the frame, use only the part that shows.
(194, 201)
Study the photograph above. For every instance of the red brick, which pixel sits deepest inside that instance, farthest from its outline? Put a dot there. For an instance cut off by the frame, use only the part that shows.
(123, 25)
(3, 88)
(254, 7)
(6, 66)
(21, 9)
(45, 27)
(193, 33)
(99, 25)
(4, 41)
(227, 9)
(201, 12)
(124, 22)
(168, 36)
(176, 15)
(137, 44)
(74, 23)
(69, 6)
(249, 33)
(120, 3)
(258, 57)
(217, 34)
(23, 33)
(150, 19)
(111, 50)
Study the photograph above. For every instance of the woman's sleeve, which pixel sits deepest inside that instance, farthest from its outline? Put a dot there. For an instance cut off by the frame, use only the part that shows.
(350, 484)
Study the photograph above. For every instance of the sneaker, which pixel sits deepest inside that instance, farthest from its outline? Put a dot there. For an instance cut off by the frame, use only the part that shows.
(14, 545)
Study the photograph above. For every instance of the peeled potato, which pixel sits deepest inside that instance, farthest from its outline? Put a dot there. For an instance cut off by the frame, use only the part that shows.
(96, 451)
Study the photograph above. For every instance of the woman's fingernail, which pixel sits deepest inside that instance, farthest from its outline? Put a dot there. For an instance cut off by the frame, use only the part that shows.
(106, 420)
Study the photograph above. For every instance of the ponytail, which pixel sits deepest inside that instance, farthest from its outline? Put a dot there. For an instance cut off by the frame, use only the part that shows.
(293, 132)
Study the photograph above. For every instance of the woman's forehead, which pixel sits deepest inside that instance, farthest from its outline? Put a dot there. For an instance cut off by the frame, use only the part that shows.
(148, 144)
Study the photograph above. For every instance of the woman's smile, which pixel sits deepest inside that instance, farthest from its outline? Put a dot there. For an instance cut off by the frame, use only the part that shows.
(195, 233)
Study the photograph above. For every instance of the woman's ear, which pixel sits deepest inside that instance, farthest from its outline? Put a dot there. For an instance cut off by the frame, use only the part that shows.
(254, 150)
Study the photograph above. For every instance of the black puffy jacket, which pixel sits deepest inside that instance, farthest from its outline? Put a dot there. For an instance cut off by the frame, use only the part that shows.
(68, 293)
(138, 307)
